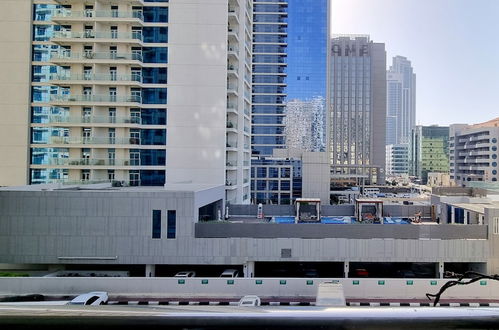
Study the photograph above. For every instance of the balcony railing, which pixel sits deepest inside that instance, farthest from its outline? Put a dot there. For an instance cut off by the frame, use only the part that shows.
(68, 55)
(92, 140)
(94, 119)
(96, 98)
(97, 35)
(96, 77)
(93, 162)
(98, 13)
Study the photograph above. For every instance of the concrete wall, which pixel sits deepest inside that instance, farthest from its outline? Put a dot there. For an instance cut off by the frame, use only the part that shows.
(55, 227)
(316, 175)
(269, 287)
(15, 59)
(197, 91)
(356, 231)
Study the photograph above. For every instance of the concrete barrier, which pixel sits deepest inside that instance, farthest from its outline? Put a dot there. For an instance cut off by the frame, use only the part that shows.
(354, 288)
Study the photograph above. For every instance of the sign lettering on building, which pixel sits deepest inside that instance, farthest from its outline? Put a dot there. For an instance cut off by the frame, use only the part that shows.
(350, 50)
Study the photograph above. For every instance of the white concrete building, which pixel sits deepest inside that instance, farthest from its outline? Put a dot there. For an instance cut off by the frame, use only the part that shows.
(138, 92)
(397, 159)
(473, 153)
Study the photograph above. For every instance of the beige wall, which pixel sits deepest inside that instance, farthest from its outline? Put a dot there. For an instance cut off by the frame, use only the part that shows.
(15, 38)
(197, 74)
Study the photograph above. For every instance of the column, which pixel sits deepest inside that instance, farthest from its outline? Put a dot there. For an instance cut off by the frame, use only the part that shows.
(452, 215)
(249, 269)
(440, 269)
(346, 267)
(150, 271)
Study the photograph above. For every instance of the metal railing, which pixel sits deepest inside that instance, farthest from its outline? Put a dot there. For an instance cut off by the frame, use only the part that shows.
(93, 162)
(96, 77)
(68, 55)
(93, 140)
(90, 34)
(94, 119)
(98, 13)
(95, 98)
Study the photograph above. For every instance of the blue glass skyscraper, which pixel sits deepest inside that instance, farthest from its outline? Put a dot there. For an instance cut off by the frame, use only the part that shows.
(289, 65)
(290, 60)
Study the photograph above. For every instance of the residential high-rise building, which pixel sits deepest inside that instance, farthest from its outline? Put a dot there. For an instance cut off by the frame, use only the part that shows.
(473, 153)
(397, 159)
(141, 92)
(429, 151)
(290, 57)
(401, 101)
(358, 110)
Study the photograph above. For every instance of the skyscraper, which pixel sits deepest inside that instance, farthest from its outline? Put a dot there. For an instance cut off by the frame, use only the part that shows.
(142, 92)
(290, 52)
(290, 47)
(401, 101)
(358, 110)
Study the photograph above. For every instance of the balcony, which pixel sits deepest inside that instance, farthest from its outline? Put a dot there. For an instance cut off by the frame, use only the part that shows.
(109, 37)
(114, 79)
(92, 162)
(231, 127)
(92, 140)
(230, 184)
(90, 99)
(131, 2)
(232, 108)
(63, 15)
(232, 89)
(231, 146)
(91, 57)
(94, 120)
(232, 71)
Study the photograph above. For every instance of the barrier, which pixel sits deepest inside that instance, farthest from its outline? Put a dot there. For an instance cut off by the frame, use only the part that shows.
(354, 288)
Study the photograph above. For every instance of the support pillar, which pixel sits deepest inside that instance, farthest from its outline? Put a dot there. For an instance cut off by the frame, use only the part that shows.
(249, 269)
(150, 270)
(452, 215)
(440, 269)
(466, 220)
(346, 268)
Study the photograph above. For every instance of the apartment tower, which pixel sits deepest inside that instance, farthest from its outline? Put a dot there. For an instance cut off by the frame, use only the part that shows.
(137, 92)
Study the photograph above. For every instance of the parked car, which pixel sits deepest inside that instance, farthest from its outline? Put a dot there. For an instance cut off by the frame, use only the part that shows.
(186, 273)
(230, 273)
(361, 272)
(91, 298)
(250, 301)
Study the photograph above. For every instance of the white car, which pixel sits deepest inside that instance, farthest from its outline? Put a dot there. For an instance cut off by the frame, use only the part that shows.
(91, 298)
(230, 273)
(186, 274)
(250, 301)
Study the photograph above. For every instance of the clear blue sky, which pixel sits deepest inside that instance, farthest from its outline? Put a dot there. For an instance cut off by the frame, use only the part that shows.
(452, 44)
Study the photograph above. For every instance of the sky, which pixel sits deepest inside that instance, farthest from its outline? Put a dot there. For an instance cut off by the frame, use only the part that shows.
(452, 44)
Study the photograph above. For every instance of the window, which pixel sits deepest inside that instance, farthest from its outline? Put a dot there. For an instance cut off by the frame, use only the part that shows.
(171, 227)
(156, 223)
(495, 223)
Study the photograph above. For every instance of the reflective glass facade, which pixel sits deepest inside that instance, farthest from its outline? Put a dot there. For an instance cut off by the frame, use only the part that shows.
(290, 58)
(290, 77)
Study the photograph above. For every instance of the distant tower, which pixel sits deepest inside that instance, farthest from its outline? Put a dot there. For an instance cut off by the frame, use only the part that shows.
(358, 110)
(401, 101)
